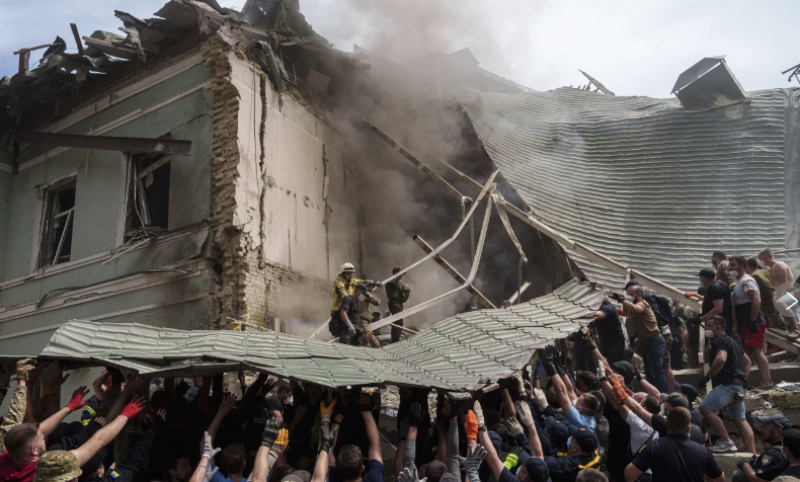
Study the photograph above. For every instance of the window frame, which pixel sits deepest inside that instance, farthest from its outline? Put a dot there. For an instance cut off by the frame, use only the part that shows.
(46, 219)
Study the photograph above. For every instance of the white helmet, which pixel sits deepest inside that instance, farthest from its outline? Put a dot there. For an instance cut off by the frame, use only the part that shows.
(348, 268)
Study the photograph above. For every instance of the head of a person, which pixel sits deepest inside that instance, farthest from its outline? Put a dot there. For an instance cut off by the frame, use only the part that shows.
(636, 292)
(652, 404)
(674, 400)
(94, 468)
(25, 442)
(767, 257)
(737, 265)
(791, 444)
(350, 463)
(551, 394)
(584, 443)
(707, 276)
(591, 475)
(435, 470)
(360, 289)
(688, 391)
(370, 287)
(588, 404)
(160, 400)
(717, 257)
(396, 270)
(679, 421)
(181, 468)
(298, 476)
(57, 466)
(558, 433)
(232, 460)
(281, 472)
(587, 381)
(284, 392)
(751, 265)
(492, 418)
(715, 326)
(772, 428)
(534, 470)
(348, 271)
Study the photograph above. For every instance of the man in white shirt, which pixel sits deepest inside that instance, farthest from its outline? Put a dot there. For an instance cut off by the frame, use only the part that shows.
(751, 323)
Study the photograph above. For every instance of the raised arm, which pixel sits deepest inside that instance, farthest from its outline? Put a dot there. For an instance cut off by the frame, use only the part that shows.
(492, 459)
(414, 420)
(326, 441)
(268, 437)
(75, 403)
(554, 370)
(366, 404)
(453, 464)
(526, 418)
(105, 435)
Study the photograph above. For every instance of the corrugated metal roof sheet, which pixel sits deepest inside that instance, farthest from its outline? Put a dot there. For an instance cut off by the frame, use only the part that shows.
(466, 351)
(639, 179)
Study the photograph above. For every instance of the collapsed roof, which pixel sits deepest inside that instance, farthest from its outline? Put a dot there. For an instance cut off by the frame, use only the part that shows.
(465, 352)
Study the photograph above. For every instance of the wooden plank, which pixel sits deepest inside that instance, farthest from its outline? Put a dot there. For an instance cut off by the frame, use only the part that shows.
(77, 37)
(778, 339)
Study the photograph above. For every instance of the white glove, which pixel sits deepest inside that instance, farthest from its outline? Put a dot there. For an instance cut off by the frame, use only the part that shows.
(210, 473)
(524, 413)
(513, 426)
(539, 398)
(208, 449)
(520, 384)
(410, 475)
(478, 414)
(351, 329)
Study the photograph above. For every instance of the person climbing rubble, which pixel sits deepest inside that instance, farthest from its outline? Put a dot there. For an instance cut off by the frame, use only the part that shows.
(366, 300)
(345, 284)
(398, 294)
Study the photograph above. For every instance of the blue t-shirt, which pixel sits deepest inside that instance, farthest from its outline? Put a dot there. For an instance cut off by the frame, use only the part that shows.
(581, 421)
(373, 472)
(218, 477)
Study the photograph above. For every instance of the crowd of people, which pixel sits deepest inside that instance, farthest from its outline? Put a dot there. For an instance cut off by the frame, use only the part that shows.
(572, 415)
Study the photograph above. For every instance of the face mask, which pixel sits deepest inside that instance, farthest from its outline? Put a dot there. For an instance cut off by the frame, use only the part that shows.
(735, 273)
(628, 298)
(709, 334)
(760, 264)
(361, 297)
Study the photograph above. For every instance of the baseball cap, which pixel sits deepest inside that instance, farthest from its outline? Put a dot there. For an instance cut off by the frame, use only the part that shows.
(675, 399)
(626, 370)
(586, 440)
(559, 432)
(707, 273)
(538, 471)
(688, 390)
(362, 287)
(632, 283)
(777, 419)
(496, 439)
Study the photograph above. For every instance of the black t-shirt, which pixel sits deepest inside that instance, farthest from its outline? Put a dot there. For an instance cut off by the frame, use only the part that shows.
(718, 291)
(275, 403)
(353, 309)
(659, 424)
(732, 372)
(609, 328)
(793, 471)
(675, 457)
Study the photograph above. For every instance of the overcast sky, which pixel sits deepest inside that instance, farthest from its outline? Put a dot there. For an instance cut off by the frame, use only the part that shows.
(633, 47)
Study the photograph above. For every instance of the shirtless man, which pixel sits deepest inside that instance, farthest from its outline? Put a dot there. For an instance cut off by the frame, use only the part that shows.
(781, 276)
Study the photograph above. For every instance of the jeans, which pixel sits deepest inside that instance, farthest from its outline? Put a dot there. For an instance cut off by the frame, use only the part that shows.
(652, 352)
(725, 396)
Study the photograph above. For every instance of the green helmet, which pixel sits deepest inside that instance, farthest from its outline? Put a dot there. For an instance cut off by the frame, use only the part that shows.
(348, 268)
(397, 269)
(57, 466)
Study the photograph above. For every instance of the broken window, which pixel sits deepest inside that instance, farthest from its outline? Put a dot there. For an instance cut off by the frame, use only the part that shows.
(58, 216)
(148, 196)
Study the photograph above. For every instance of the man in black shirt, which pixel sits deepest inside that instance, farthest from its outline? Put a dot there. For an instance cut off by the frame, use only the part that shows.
(348, 315)
(717, 301)
(791, 444)
(772, 462)
(674, 457)
(609, 330)
(727, 373)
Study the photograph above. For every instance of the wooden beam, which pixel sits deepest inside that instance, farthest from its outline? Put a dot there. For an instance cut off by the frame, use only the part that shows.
(453, 273)
(77, 37)
(779, 339)
(122, 144)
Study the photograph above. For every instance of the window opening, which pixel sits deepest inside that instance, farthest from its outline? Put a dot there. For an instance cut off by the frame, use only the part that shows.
(148, 206)
(59, 211)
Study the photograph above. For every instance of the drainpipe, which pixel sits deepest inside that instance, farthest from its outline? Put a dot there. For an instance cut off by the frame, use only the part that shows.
(466, 205)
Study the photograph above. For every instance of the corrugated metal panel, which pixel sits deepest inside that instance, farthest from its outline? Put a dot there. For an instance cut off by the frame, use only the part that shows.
(639, 179)
(466, 351)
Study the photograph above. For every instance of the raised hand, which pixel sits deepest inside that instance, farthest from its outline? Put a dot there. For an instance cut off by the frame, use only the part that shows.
(326, 438)
(415, 414)
(524, 413)
(270, 433)
(208, 447)
(410, 475)
(472, 461)
(326, 411)
(76, 402)
(513, 426)
(134, 407)
(478, 413)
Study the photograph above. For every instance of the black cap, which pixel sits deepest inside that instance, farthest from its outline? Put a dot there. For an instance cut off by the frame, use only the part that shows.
(675, 400)
(586, 440)
(361, 287)
(777, 419)
(707, 273)
(632, 283)
(688, 390)
(558, 431)
(626, 370)
(537, 469)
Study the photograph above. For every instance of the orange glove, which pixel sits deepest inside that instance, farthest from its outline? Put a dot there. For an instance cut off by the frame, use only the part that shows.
(325, 412)
(471, 426)
(619, 390)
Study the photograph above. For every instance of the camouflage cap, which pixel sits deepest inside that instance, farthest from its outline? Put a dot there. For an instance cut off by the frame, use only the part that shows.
(57, 466)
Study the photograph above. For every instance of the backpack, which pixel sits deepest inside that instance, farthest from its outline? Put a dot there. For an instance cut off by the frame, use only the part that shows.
(664, 309)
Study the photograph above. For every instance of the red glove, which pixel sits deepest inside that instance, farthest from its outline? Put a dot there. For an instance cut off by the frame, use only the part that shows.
(76, 403)
(471, 426)
(133, 407)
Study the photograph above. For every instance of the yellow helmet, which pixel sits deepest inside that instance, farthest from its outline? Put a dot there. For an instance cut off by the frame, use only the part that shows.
(348, 268)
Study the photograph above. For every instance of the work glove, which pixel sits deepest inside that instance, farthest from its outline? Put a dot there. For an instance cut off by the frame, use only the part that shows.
(326, 438)
(76, 402)
(210, 473)
(471, 426)
(511, 461)
(539, 398)
(270, 433)
(702, 382)
(559, 361)
(473, 461)
(513, 426)
(409, 474)
(402, 429)
(24, 367)
(350, 328)
(619, 389)
(479, 414)
(524, 413)
(365, 402)
(209, 451)
(326, 411)
(415, 414)
(133, 407)
(517, 377)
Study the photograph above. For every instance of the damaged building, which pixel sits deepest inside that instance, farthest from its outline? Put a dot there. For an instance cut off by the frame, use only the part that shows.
(212, 167)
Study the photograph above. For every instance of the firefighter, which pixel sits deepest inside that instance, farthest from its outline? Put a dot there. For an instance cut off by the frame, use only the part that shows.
(345, 284)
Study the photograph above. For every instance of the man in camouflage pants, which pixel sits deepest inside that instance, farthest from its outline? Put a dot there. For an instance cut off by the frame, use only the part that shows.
(397, 293)
(365, 323)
